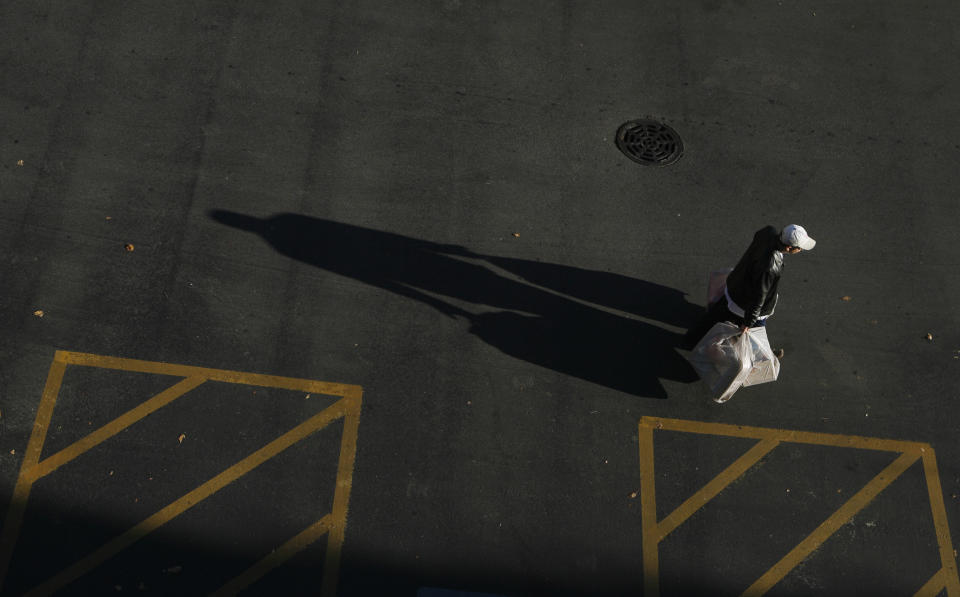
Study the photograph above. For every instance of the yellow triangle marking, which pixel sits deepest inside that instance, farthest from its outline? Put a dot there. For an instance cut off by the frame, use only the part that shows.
(55, 461)
(909, 452)
(715, 486)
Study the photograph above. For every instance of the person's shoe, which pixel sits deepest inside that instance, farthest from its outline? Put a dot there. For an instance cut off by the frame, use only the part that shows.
(778, 353)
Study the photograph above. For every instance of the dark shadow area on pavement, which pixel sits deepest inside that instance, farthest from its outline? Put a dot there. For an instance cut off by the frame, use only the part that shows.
(165, 563)
(538, 322)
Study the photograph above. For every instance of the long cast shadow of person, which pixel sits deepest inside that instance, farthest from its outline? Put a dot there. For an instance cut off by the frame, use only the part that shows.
(543, 317)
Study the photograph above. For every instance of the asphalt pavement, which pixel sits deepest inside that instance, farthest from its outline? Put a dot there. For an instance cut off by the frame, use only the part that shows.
(362, 298)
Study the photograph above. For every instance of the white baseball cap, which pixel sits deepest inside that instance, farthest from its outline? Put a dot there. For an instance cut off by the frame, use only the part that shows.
(796, 236)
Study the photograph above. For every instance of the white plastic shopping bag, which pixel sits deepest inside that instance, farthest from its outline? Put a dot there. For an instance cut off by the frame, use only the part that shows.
(726, 360)
(766, 366)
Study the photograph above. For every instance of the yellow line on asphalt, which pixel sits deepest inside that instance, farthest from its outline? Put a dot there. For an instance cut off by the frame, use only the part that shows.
(280, 555)
(253, 379)
(151, 523)
(801, 437)
(715, 486)
(648, 512)
(831, 525)
(947, 578)
(934, 586)
(52, 463)
(341, 496)
(21, 491)
(951, 580)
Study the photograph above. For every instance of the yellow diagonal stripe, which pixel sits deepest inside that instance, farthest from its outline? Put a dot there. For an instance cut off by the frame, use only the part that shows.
(50, 464)
(934, 586)
(831, 525)
(715, 486)
(277, 557)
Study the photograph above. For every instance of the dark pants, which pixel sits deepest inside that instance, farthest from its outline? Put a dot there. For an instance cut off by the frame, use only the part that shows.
(717, 312)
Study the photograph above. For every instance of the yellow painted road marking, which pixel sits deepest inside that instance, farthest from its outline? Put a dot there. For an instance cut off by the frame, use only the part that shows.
(831, 525)
(714, 487)
(800, 437)
(648, 509)
(936, 584)
(252, 379)
(152, 523)
(283, 553)
(21, 491)
(655, 531)
(52, 463)
(940, 522)
(341, 498)
(32, 469)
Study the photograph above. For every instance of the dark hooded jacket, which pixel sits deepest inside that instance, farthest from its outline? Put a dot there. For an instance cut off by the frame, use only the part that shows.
(753, 282)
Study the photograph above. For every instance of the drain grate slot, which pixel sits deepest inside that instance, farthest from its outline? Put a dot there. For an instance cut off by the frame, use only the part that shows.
(649, 142)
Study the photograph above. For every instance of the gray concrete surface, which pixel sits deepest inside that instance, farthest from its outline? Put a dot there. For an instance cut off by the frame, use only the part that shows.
(436, 211)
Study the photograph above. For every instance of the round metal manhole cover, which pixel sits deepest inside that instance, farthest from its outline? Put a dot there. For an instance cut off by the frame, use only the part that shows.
(649, 142)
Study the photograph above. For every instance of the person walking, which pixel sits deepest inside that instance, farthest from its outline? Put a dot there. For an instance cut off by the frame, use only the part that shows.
(750, 294)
